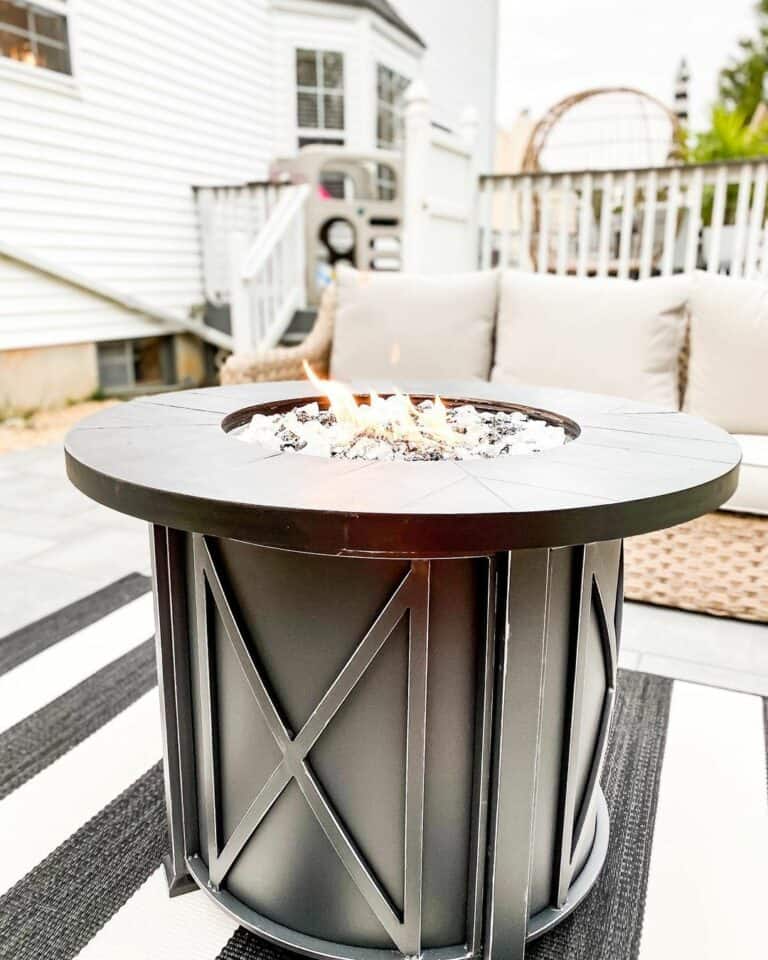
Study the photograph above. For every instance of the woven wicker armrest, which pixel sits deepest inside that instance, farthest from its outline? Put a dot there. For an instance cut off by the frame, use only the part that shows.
(285, 363)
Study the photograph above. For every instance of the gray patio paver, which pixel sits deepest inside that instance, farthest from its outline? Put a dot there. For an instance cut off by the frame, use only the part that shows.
(734, 645)
(15, 547)
(29, 491)
(29, 592)
(51, 527)
(85, 552)
(705, 673)
(60, 546)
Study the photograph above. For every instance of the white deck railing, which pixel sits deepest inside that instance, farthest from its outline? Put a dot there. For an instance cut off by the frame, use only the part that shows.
(628, 223)
(267, 276)
(222, 210)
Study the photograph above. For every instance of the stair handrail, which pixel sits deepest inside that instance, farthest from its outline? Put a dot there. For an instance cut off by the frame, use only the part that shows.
(267, 279)
(288, 207)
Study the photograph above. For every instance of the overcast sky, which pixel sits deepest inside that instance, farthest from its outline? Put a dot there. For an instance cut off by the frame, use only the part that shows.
(550, 48)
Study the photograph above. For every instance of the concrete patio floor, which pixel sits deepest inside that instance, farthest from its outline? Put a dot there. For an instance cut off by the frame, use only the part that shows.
(57, 546)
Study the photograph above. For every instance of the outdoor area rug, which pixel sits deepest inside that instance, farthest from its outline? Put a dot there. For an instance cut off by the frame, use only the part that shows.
(82, 825)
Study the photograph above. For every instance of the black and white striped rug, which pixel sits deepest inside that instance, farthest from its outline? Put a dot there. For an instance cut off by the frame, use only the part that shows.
(82, 827)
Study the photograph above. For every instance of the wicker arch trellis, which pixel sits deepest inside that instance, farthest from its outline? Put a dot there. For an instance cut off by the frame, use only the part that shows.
(541, 132)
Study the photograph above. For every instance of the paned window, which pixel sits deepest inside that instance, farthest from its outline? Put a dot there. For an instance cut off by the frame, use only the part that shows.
(35, 34)
(319, 91)
(134, 365)
(390, 87)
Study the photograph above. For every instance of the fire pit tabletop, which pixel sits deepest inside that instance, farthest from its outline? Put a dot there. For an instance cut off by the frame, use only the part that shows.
(632, 468)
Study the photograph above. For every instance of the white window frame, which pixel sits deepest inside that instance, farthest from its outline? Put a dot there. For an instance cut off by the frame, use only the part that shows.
(42, 76)
(320, 132)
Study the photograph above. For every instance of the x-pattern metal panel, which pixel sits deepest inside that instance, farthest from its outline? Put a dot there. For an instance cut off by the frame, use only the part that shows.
(588, 598)
(412, 597)
(607, 632)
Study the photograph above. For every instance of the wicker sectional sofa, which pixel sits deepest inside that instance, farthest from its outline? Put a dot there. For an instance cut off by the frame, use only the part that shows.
(700, 343)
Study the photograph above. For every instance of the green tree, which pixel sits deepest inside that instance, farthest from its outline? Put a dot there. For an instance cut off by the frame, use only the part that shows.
(729, 137)
(742, 82)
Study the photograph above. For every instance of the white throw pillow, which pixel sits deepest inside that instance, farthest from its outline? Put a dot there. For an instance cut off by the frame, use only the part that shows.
(728, 370)
(395, 326)
(619, 337)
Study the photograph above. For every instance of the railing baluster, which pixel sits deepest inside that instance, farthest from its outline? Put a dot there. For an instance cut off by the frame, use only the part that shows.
(627, 219)
(272, 198)
(585, 221)
(606, 203)
(263, 210)
(486, 224)
(277, 259)
(564, 183)
(506, 222)
(272, 266)
(301, 258)
(542, 252)
(670, 223)
(764, 253)
(718, 218)
(740, 224)
(694, 197)
(526, 219)
(756, 221)
(649, 224)
(239, 299)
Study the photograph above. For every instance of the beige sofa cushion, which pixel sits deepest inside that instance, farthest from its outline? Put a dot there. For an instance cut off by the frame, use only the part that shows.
(728, 369)
(397, 326)
(619, 337)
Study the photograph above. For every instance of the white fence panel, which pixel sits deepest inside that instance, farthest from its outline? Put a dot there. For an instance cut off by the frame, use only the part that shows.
(628, 223)
(440, 223)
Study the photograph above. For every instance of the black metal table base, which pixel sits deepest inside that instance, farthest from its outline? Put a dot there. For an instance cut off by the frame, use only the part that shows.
(538, 925)
(370, 757)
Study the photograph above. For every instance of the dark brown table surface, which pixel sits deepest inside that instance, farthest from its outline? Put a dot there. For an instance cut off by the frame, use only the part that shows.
(632, 469)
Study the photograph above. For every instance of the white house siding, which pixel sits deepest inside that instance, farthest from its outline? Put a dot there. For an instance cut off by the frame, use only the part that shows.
(460, 61)
(37, 312)
(96, 171)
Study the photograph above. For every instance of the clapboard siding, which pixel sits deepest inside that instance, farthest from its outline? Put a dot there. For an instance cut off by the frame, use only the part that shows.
(97, 175)
(34, 313)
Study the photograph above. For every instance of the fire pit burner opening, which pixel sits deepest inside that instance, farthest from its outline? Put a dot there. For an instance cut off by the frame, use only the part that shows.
(398, 427)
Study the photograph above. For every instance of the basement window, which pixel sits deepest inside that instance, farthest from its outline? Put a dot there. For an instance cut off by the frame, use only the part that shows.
(35, 34)
(132, 366)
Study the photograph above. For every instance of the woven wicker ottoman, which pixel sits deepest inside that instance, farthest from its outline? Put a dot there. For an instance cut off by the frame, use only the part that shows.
(716, 564)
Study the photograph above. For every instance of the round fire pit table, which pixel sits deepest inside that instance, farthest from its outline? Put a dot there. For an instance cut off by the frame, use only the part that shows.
(387, 686)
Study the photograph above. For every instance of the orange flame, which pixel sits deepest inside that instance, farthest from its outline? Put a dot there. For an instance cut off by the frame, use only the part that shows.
(392, 418)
